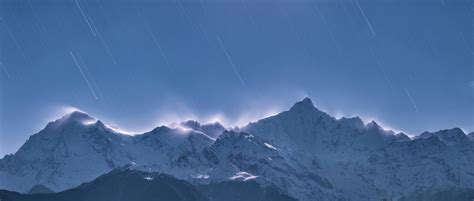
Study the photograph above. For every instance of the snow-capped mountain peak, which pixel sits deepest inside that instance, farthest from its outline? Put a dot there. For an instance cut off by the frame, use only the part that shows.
(305, 102)
(305, 105)
(402, 137)
(373, 124)
(304, 151)
(213, 130)
(77, 116)
(454, 136)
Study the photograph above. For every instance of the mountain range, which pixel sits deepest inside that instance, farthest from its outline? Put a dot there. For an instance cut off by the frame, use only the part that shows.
(128, 184)
(302, 153)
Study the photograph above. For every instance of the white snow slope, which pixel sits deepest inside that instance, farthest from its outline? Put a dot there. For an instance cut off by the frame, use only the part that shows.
(305, 152)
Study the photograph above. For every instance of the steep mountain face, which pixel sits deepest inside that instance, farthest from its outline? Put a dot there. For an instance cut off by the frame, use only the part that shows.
(122, 184)
(449, 136)
(213, 130)
(368, 162)
(238, 156)
(401, 137)
(241, 156)
(69, 151)
(302, 152)
(78, 148)
(165, 145)
(422, 164)
(471, 136)
(304, 127)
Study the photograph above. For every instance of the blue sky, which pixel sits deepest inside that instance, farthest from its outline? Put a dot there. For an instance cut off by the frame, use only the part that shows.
(405, 64)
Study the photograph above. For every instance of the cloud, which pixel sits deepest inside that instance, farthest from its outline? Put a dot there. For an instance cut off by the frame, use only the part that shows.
(245, 110)
(242, 119)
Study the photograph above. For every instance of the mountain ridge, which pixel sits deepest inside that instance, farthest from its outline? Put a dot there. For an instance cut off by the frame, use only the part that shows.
(136, 185)
(306, 152)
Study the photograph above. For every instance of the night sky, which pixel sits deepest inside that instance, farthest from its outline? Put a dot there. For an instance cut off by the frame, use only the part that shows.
(407, 64)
